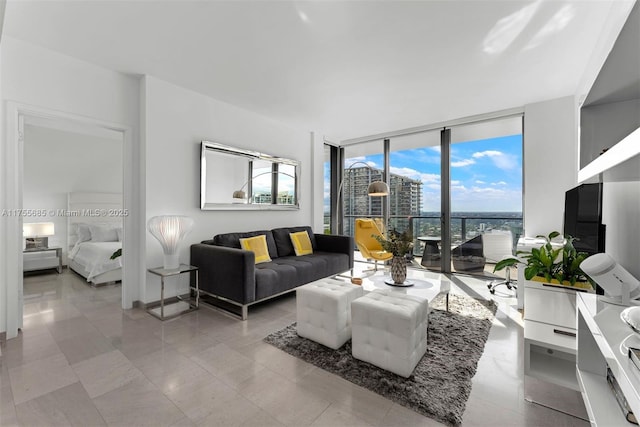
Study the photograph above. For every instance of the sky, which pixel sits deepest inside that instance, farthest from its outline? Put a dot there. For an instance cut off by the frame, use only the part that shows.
(486, 175)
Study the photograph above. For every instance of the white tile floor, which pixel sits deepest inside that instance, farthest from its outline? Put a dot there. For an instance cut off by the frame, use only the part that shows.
(81, 360)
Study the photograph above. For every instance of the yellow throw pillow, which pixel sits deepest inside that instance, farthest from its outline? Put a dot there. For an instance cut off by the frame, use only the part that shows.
(301, 243)
(257, 245)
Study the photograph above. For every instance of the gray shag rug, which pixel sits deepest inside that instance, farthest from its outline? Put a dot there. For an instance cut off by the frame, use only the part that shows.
(441, 383)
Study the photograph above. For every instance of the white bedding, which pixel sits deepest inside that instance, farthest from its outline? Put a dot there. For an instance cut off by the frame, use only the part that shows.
(95, 257)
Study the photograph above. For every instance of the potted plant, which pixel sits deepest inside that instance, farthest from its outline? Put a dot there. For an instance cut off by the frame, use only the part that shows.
(399, 244)
(554, 265)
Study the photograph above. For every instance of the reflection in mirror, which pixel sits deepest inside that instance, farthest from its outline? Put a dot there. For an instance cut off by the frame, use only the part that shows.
(233, 178)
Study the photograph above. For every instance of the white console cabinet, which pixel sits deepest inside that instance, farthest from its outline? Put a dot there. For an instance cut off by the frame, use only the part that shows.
(603, 340)
(550, 334)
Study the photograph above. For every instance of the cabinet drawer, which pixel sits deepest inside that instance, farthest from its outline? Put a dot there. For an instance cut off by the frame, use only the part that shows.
(552, 335)
(550, 306)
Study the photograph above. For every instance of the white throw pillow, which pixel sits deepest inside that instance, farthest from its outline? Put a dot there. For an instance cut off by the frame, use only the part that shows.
(84, 233)
(103, 233)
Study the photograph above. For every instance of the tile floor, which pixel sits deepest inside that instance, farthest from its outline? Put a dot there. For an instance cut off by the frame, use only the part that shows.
(81, 360)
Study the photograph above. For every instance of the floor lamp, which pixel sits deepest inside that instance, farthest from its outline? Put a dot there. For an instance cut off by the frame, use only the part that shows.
(375, 189)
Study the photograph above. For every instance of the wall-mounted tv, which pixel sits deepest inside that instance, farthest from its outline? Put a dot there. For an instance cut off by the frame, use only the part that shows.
(583, 217)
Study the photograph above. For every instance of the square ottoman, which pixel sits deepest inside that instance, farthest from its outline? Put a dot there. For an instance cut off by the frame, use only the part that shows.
(389, 330)
(323, 311)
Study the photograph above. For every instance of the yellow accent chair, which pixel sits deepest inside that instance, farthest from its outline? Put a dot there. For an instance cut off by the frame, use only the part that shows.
(369, 247)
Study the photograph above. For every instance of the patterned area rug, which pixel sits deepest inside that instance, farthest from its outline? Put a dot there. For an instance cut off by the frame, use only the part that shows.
(441, 383)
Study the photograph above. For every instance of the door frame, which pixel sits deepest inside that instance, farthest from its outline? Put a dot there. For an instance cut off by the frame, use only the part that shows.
(14, 166)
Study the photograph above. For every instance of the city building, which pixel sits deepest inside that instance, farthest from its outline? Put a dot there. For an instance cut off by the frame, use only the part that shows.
(405, 197)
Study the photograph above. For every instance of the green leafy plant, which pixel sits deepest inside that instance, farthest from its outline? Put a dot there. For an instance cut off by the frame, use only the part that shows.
(559, 263)
(399, 244)
(116, 254)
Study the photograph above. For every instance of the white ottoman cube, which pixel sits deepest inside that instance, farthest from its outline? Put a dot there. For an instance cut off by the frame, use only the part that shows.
(389, 330)
(323, 310)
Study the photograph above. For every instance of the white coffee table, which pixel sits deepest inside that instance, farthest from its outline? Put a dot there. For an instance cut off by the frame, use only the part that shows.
(425, 287)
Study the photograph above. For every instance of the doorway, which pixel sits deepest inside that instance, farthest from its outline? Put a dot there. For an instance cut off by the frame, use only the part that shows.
(18, 117)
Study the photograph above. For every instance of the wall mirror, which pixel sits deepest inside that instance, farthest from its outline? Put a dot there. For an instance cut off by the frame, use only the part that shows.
(237, 179)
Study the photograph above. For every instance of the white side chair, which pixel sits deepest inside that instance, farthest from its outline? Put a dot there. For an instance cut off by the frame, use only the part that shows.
(496, 246)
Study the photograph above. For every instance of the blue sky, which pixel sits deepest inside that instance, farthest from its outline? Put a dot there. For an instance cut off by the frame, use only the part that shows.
(486, 175)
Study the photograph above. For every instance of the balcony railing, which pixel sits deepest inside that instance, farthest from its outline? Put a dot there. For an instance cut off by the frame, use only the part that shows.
(463, 226)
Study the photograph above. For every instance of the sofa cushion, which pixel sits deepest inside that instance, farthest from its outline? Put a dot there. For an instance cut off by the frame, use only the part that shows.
(283, 240)
(273, 278)
(232, 240)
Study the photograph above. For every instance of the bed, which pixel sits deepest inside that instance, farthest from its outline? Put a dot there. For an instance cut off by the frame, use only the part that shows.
(94, 231)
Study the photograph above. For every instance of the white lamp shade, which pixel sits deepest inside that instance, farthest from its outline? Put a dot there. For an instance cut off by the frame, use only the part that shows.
(38, 229)
(170, 230)
(378, 189)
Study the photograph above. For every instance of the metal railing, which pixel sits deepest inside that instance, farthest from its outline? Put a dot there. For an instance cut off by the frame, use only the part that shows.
(463, 226)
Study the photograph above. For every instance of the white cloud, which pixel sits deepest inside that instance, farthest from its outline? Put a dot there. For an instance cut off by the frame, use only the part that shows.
(487, 153)
(477, 181)
(500, 159)
(352, 160)
(499, 183)
(462, 163)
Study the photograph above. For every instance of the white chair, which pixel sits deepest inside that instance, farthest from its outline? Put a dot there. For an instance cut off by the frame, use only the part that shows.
(496, 246)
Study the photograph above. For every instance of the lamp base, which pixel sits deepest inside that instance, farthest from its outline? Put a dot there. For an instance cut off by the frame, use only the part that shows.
(36, 243)
(171, 262)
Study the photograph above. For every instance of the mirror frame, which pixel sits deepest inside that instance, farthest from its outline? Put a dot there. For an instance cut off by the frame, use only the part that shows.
(209, 146)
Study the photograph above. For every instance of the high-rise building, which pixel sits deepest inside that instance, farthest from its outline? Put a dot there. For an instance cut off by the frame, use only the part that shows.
(405, 197)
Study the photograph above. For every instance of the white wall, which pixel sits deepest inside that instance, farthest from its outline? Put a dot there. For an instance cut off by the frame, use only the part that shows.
(44, 80)
(550, 162)
(57, 162)
(175, 121)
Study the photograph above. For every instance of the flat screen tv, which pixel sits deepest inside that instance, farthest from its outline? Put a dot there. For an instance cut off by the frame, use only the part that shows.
(583, 217)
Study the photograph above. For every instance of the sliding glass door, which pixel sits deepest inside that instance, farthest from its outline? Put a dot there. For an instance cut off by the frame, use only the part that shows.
(486, 191)
(415, 186)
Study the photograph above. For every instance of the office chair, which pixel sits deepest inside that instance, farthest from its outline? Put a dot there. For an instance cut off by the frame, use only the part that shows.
(369, 247)
(496, 246)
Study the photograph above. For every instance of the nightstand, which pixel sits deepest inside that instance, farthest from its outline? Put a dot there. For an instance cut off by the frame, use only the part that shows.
(177, 305)
(31, 261)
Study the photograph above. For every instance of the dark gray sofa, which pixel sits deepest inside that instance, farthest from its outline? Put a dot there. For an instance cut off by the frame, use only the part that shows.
(230, 274)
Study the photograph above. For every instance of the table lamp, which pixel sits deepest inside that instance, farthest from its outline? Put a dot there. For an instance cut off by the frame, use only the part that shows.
(170, 230)
(620, 287)
(37, 234)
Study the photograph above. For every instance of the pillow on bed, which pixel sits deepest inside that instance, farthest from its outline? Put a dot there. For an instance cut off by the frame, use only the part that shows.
(103, 233)
(84, 233)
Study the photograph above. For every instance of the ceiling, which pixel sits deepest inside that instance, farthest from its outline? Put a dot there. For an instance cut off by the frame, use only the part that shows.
(346, 69)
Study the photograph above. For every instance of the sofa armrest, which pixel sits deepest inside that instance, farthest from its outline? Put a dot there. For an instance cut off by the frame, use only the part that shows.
(225, 272)
(335, 243)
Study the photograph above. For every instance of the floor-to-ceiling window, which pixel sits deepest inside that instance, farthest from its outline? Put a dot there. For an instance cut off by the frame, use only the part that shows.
(363, 164)
(326, 198)
(485, 162)
(447, 185)
(415, 184)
